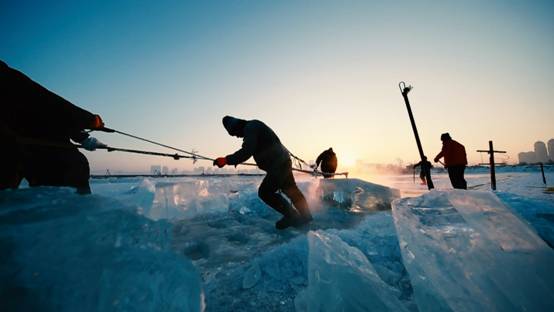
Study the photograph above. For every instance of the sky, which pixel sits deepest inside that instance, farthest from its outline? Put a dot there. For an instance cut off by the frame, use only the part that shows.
(320, 73)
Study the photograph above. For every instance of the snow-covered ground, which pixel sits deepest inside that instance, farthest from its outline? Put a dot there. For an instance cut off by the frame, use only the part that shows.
(209, 243)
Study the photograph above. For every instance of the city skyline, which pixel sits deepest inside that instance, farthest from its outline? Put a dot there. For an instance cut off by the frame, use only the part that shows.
(542, 153)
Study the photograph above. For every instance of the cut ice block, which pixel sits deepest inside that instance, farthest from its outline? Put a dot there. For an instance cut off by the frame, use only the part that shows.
(340, 278)
(466, 251)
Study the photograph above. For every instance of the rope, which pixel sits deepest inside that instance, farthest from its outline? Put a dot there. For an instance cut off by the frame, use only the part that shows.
(31, 141)
(196, 156)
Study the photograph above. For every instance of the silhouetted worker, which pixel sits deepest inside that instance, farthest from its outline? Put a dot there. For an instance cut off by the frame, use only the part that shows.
(328, 161)
(425, 167)
(455, 160)
(272, 157)
(36, 126)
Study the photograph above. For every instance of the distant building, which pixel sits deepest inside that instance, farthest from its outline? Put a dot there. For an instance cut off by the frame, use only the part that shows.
(156, 170)
(527, 157)
(551, 149)
(540, 152)
(165, 170)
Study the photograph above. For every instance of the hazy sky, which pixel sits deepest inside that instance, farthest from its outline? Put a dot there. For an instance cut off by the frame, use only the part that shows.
(320, 73)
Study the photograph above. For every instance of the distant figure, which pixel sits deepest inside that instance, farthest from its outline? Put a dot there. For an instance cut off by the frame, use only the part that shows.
(36, 126)
(425, 166)
(328, 161)
(272, 157)
(455, 161)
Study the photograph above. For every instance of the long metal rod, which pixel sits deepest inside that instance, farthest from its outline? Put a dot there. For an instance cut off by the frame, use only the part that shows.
(405, 89)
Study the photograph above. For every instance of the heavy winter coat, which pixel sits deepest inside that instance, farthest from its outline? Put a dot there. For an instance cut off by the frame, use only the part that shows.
(30, 110)
(454, 153)
(258, 141)
(328, 161)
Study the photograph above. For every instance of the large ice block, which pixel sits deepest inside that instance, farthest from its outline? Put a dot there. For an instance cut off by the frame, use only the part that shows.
(355, 194)
(65, 252)
(340, 278)
(466, 251)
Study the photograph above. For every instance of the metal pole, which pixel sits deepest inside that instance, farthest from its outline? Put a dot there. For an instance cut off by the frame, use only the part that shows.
(493, 173)
(405, 89)
(543, 177)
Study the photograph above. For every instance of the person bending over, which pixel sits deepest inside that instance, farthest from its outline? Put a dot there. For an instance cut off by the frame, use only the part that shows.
(273, 158)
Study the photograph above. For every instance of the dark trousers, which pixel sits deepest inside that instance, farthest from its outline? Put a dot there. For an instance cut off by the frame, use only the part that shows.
(11, 165)
(52, 166)
(282, 180)
(456, 174)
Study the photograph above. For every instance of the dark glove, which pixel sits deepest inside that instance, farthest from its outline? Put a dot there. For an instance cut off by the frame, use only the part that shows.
(220, 162)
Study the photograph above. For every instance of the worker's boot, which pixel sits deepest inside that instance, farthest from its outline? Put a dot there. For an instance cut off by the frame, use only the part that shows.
(290, 217)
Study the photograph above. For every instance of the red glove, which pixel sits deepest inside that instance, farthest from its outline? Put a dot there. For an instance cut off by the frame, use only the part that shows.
(97, 123)
(220, 162)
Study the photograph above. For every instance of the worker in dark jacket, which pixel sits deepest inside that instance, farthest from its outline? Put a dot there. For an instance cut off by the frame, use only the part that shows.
(36, 126)
(272, 157)
(455, 160)
(425, 166)
(328, 161)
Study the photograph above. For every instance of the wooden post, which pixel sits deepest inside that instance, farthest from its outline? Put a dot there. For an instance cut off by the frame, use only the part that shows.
(491, 152)
(491, 162)
(405, 89)
(543, 177)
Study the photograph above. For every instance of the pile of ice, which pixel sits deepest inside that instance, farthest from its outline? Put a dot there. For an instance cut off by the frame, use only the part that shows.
(184, 244)
(65, 252)
(466, 251)
(210, 243)
(247, 265)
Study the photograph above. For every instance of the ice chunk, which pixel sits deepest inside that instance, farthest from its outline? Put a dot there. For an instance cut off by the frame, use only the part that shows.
(88, 253)
(342, 279)
(252, 276)
(185, 199)
(466, 251)
(354, 194)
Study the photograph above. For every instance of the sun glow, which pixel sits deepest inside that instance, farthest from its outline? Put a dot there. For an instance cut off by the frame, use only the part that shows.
(346, 160)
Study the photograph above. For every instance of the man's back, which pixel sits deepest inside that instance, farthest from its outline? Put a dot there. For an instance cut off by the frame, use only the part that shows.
(263, 144)
(454, 153)
(31, 110)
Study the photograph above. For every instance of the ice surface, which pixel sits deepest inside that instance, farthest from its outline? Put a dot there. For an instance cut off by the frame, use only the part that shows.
(65, 252)
(341, 278)
(130, 245)
(247, 225)
(240, 251)
(466, 251)
(276, 277)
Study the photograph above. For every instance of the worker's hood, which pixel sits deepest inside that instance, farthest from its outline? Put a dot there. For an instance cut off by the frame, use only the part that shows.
(234, 126)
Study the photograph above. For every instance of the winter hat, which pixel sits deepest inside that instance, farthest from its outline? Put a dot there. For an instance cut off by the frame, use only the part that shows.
(232, 124)
(445, 136)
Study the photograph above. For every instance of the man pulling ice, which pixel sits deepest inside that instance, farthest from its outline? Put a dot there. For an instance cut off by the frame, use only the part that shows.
(272, 157)
(36, 126)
